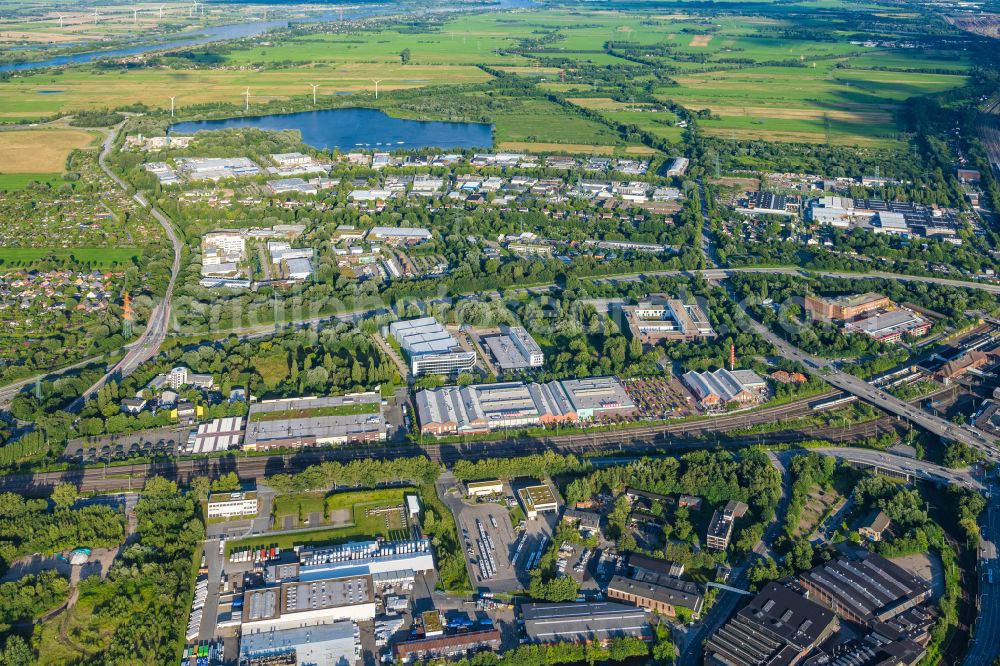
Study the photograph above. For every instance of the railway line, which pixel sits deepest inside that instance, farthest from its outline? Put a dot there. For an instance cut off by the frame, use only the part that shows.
(633, 441)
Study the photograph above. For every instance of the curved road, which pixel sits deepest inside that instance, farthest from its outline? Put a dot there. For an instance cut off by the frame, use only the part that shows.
(155, 332)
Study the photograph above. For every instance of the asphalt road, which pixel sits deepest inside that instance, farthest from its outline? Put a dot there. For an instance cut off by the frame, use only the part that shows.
(984, 647)
(156, 329)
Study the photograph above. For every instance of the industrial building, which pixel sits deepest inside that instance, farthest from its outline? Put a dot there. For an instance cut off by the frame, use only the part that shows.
(871, 650)
(665, 318)
(302, 603)
(890, 326)
(865, 591)
(451, 646)
(583, 622)
(640, 563)
(598, 397)
(216, 168)
(659, 593)
(777, 628)
(232, 505)
(366, 557)
(515, 349)
(315, 421)
(330, 644)
(483, 488)
(678, 167)
(489, 407)
(218, 435)
(769, 203)
(399, 235)
(537, 499)
(840, 308)
(721, 387)
(430, 348)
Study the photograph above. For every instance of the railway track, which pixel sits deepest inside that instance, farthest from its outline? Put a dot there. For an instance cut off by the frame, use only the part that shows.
(631, 441)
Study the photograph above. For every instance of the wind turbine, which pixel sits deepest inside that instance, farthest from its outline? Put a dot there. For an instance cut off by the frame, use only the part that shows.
(376, 82)
(247, 95)
(172, 107)
(96, 17)
(161, 12)
(314, 86)
(60, 19)
(135, 15)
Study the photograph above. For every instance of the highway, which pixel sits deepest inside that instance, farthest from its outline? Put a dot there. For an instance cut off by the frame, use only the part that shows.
(881, 399)
(725, 273)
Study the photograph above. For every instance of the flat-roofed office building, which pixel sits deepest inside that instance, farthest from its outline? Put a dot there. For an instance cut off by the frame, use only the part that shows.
(431, 348)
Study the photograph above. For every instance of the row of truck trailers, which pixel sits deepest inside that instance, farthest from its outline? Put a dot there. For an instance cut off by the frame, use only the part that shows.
(256, 554)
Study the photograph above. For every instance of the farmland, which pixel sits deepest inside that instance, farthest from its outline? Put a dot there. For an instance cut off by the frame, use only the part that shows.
(36, 151)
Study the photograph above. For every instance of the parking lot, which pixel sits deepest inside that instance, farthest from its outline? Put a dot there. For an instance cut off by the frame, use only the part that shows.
(513, 552)
(158, 442)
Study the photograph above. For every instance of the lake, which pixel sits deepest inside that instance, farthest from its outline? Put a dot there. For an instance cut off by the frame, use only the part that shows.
(352, 129)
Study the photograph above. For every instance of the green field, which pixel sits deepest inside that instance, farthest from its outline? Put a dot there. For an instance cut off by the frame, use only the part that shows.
(99, 257)
(18, 181)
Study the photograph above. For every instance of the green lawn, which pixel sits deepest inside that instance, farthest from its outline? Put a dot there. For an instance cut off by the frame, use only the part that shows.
(18, 181)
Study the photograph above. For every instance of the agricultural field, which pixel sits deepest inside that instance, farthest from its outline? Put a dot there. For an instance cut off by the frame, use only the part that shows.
(825, 104)
(40, 152)
(760, 76)
(40, 95)
(457, 44)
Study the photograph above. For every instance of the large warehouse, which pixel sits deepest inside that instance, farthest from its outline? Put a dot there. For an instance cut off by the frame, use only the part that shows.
(315, 421)
(583, 622)
(332, 643)
(308, 602)
(366, 557)
(488, 407)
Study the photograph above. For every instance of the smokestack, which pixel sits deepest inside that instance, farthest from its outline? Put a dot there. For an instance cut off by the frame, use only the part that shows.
(732, 357)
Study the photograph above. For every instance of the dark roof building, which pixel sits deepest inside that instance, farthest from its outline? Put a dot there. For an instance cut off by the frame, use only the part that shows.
(874, 525)
(586, 520)
(777, 628)
(655, 592)
(871, 650)
(867, 590)
(583, 622)
(643, 563)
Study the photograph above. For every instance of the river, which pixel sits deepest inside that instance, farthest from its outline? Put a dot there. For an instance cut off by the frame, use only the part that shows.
(238, 31)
